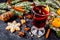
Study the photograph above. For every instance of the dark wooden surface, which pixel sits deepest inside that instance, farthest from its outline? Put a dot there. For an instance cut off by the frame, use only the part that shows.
(7, 35)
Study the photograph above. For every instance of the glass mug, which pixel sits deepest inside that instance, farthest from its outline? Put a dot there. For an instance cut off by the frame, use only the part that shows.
(39, 20)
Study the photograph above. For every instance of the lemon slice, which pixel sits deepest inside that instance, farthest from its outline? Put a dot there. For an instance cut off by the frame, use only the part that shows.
(47, 8)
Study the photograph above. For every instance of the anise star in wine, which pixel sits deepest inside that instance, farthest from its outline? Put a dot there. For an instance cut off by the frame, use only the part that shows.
(14, 26)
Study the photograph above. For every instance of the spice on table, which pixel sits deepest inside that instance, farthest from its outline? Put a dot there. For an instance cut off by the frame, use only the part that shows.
(47, 34)
(27, 29)
(20, 9)
(21, 34)
(6, 16)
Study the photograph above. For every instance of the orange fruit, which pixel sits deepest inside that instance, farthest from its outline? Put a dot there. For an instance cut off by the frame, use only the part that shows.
(56, 22)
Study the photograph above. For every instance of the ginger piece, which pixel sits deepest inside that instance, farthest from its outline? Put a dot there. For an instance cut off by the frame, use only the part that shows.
(21, 34)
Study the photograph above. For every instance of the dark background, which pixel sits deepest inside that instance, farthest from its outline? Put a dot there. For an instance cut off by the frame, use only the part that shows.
(3, 1)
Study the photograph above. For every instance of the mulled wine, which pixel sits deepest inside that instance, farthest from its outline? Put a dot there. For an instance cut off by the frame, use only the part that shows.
(40, 16)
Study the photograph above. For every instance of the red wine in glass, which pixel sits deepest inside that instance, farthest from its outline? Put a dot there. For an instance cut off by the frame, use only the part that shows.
(40, 16)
